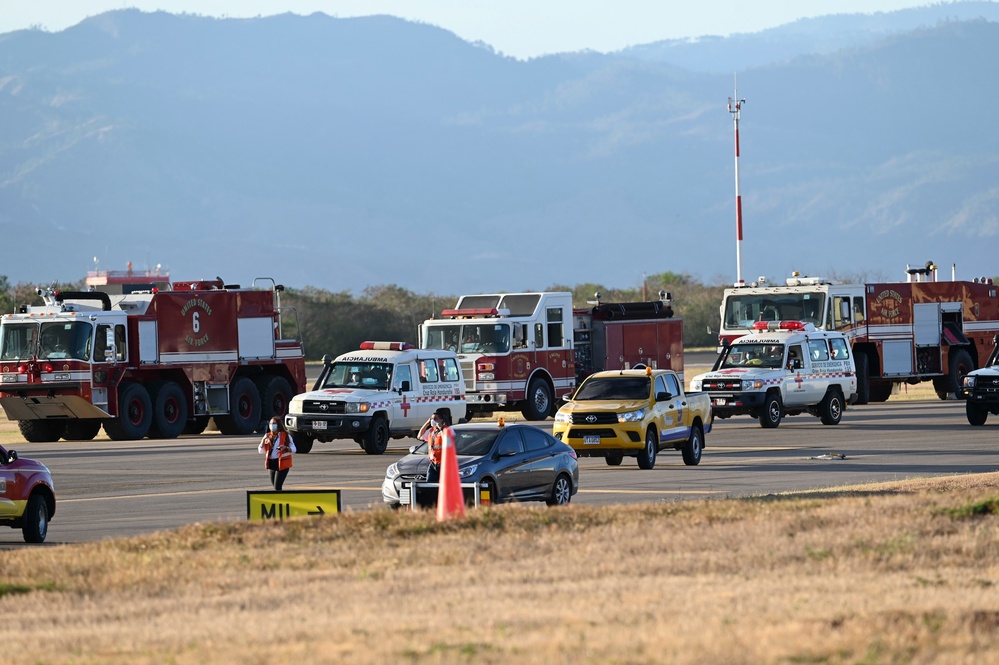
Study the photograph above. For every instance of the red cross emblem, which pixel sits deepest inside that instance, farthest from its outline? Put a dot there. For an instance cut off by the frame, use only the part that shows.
(405, 406)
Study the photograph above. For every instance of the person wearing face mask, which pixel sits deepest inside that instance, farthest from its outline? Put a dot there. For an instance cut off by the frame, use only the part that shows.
(278, 446)
(431, 432)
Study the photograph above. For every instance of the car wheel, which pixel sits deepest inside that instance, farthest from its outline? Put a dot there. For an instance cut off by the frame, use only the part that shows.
(772, 412)
(376, 438)
(647, 458)
(561, 492)
(614, 458)
(692, 446)
(36, 520)
(135, 414)
(831, 408)
(303, 443)
(539, 400)
(976, 414)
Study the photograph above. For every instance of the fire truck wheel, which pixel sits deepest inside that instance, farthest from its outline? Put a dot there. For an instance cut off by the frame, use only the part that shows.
(36, 520)
(244, 408)
(614, 458)
(303, 443)
(135, 414)
(881, 390)
(692, 447)
(647, 458)
(960, 364)
(977, 415)
(539, 400)
(831, 408)
(196, 425)
(772, 411)
(169, 411)
(863, 378)
(377, 436)
(40, 431)
(275, 394)
(81, 430)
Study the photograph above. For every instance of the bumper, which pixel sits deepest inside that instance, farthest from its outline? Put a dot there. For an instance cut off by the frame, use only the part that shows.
(319, 426)
(986, 399)
(600, 438)
(482, 401)
(734, 404)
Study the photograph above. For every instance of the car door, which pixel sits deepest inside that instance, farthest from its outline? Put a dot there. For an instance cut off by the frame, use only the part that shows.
(669, 412)
(797, 370)
(9, 491)
(543, 461)
(513, 466)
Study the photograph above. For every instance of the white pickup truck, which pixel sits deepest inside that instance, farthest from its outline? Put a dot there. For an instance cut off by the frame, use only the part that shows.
(782, 368)
(384, 390)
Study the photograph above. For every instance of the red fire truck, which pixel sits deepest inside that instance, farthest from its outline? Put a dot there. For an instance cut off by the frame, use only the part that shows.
(517, 353)
(902, 332)
(148, 361)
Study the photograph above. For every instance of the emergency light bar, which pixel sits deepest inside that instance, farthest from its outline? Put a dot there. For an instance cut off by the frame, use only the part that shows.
(475, 311)
(386, 346)
(771, 326)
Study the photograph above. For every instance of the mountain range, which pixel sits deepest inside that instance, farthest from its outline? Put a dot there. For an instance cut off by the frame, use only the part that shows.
(347, 153)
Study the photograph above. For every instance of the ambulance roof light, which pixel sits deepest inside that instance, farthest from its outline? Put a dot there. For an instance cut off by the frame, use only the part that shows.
(386, 346)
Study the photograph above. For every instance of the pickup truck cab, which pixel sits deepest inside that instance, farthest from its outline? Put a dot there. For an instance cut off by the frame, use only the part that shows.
(27, 495)
(782, 368)
(384, 390)
(980, 389)
(637, 413)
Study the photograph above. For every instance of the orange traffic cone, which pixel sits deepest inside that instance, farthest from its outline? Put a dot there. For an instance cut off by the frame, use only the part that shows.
(450, 500)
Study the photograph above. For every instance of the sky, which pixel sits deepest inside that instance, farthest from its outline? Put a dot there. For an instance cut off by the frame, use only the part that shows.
(518, 28)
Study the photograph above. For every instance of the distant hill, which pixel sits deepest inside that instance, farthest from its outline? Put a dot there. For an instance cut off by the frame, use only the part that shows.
(343, 153)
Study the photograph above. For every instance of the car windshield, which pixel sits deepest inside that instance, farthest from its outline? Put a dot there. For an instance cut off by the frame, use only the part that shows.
(371, 376)
(471, 443)
(468, 338)
(614, 387)
(755, 355)
(742, 310)
(53, 340)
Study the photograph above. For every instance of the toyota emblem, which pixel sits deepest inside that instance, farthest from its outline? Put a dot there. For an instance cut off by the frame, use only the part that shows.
(324, 407)
(591, 419)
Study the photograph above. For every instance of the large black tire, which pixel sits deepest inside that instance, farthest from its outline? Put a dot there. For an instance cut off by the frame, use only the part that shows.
(561, 492)
(41, 431)
(693, 446)
(647, 458)
(772, 411)
(960, 364)
(244, 408)
(863, 378)
(81, 430)
(614, 458)
(538, 402)
(977, 415)
(881, 391)
(376, 438)
(135, 414)
(36, 520)
(275, 396)
(169, 411)
(831, 408)
(303, 443)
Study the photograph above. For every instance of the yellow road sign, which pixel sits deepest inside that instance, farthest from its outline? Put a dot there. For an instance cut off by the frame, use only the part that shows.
(274, 505)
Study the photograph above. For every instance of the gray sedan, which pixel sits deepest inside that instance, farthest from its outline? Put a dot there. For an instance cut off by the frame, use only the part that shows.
(511, 463)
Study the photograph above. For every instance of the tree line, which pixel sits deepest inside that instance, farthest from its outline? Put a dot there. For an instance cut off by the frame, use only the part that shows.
(332, 323)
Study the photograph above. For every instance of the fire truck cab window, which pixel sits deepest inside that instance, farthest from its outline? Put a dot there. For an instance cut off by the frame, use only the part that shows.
(840, 312)
(101, 343)
(18, 341)
(555, 336)
(520, 336)
(539, 335)
(858, 309)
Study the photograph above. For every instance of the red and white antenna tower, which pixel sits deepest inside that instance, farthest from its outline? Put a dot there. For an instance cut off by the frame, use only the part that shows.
(735, 108)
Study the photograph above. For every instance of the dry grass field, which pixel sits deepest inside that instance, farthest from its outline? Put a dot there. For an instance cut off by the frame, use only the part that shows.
(904, 572)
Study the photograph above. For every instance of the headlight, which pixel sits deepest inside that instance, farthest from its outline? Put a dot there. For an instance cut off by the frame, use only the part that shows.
(392, 471)
(631, 416)
(563, 417)
(356, 407)
(969, 382)
(752, 385)
(486, 376)
(466, 471)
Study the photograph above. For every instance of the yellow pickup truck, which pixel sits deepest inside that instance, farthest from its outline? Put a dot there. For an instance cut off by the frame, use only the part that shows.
(637, 413)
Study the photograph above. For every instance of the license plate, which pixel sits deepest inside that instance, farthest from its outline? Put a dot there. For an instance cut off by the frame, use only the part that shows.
(720, 401)
(318, 424)
(591, 440)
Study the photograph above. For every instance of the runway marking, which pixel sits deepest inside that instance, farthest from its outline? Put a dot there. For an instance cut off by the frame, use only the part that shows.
(303, 488)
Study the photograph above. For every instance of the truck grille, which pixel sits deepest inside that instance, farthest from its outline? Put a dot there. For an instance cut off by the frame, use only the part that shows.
(594, 419)
(322, 407)
(602, 433)
(468, 372)
(728, 385)
(987, 384)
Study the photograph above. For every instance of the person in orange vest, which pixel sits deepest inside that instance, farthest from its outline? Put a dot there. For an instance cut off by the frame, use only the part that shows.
(278, 447)
(431, 432)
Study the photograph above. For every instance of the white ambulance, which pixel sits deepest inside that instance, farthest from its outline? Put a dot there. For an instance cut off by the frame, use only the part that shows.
(782, 368)
(384, 390)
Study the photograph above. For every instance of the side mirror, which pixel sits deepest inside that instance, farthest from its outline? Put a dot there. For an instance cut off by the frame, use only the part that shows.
(796, 363)
(567, 397)
(663, 396)
(405, 387)
(412, 449)
(11, 456)
(507, 450)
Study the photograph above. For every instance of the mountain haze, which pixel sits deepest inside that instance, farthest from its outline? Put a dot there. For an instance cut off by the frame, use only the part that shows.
(343, 153)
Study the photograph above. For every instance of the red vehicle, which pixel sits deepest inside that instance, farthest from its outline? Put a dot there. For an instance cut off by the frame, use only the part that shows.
(27, 495)
(517, 353)
(902, 332)
(148, 361)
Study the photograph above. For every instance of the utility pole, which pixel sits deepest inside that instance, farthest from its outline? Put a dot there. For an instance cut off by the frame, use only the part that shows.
(735, 108)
